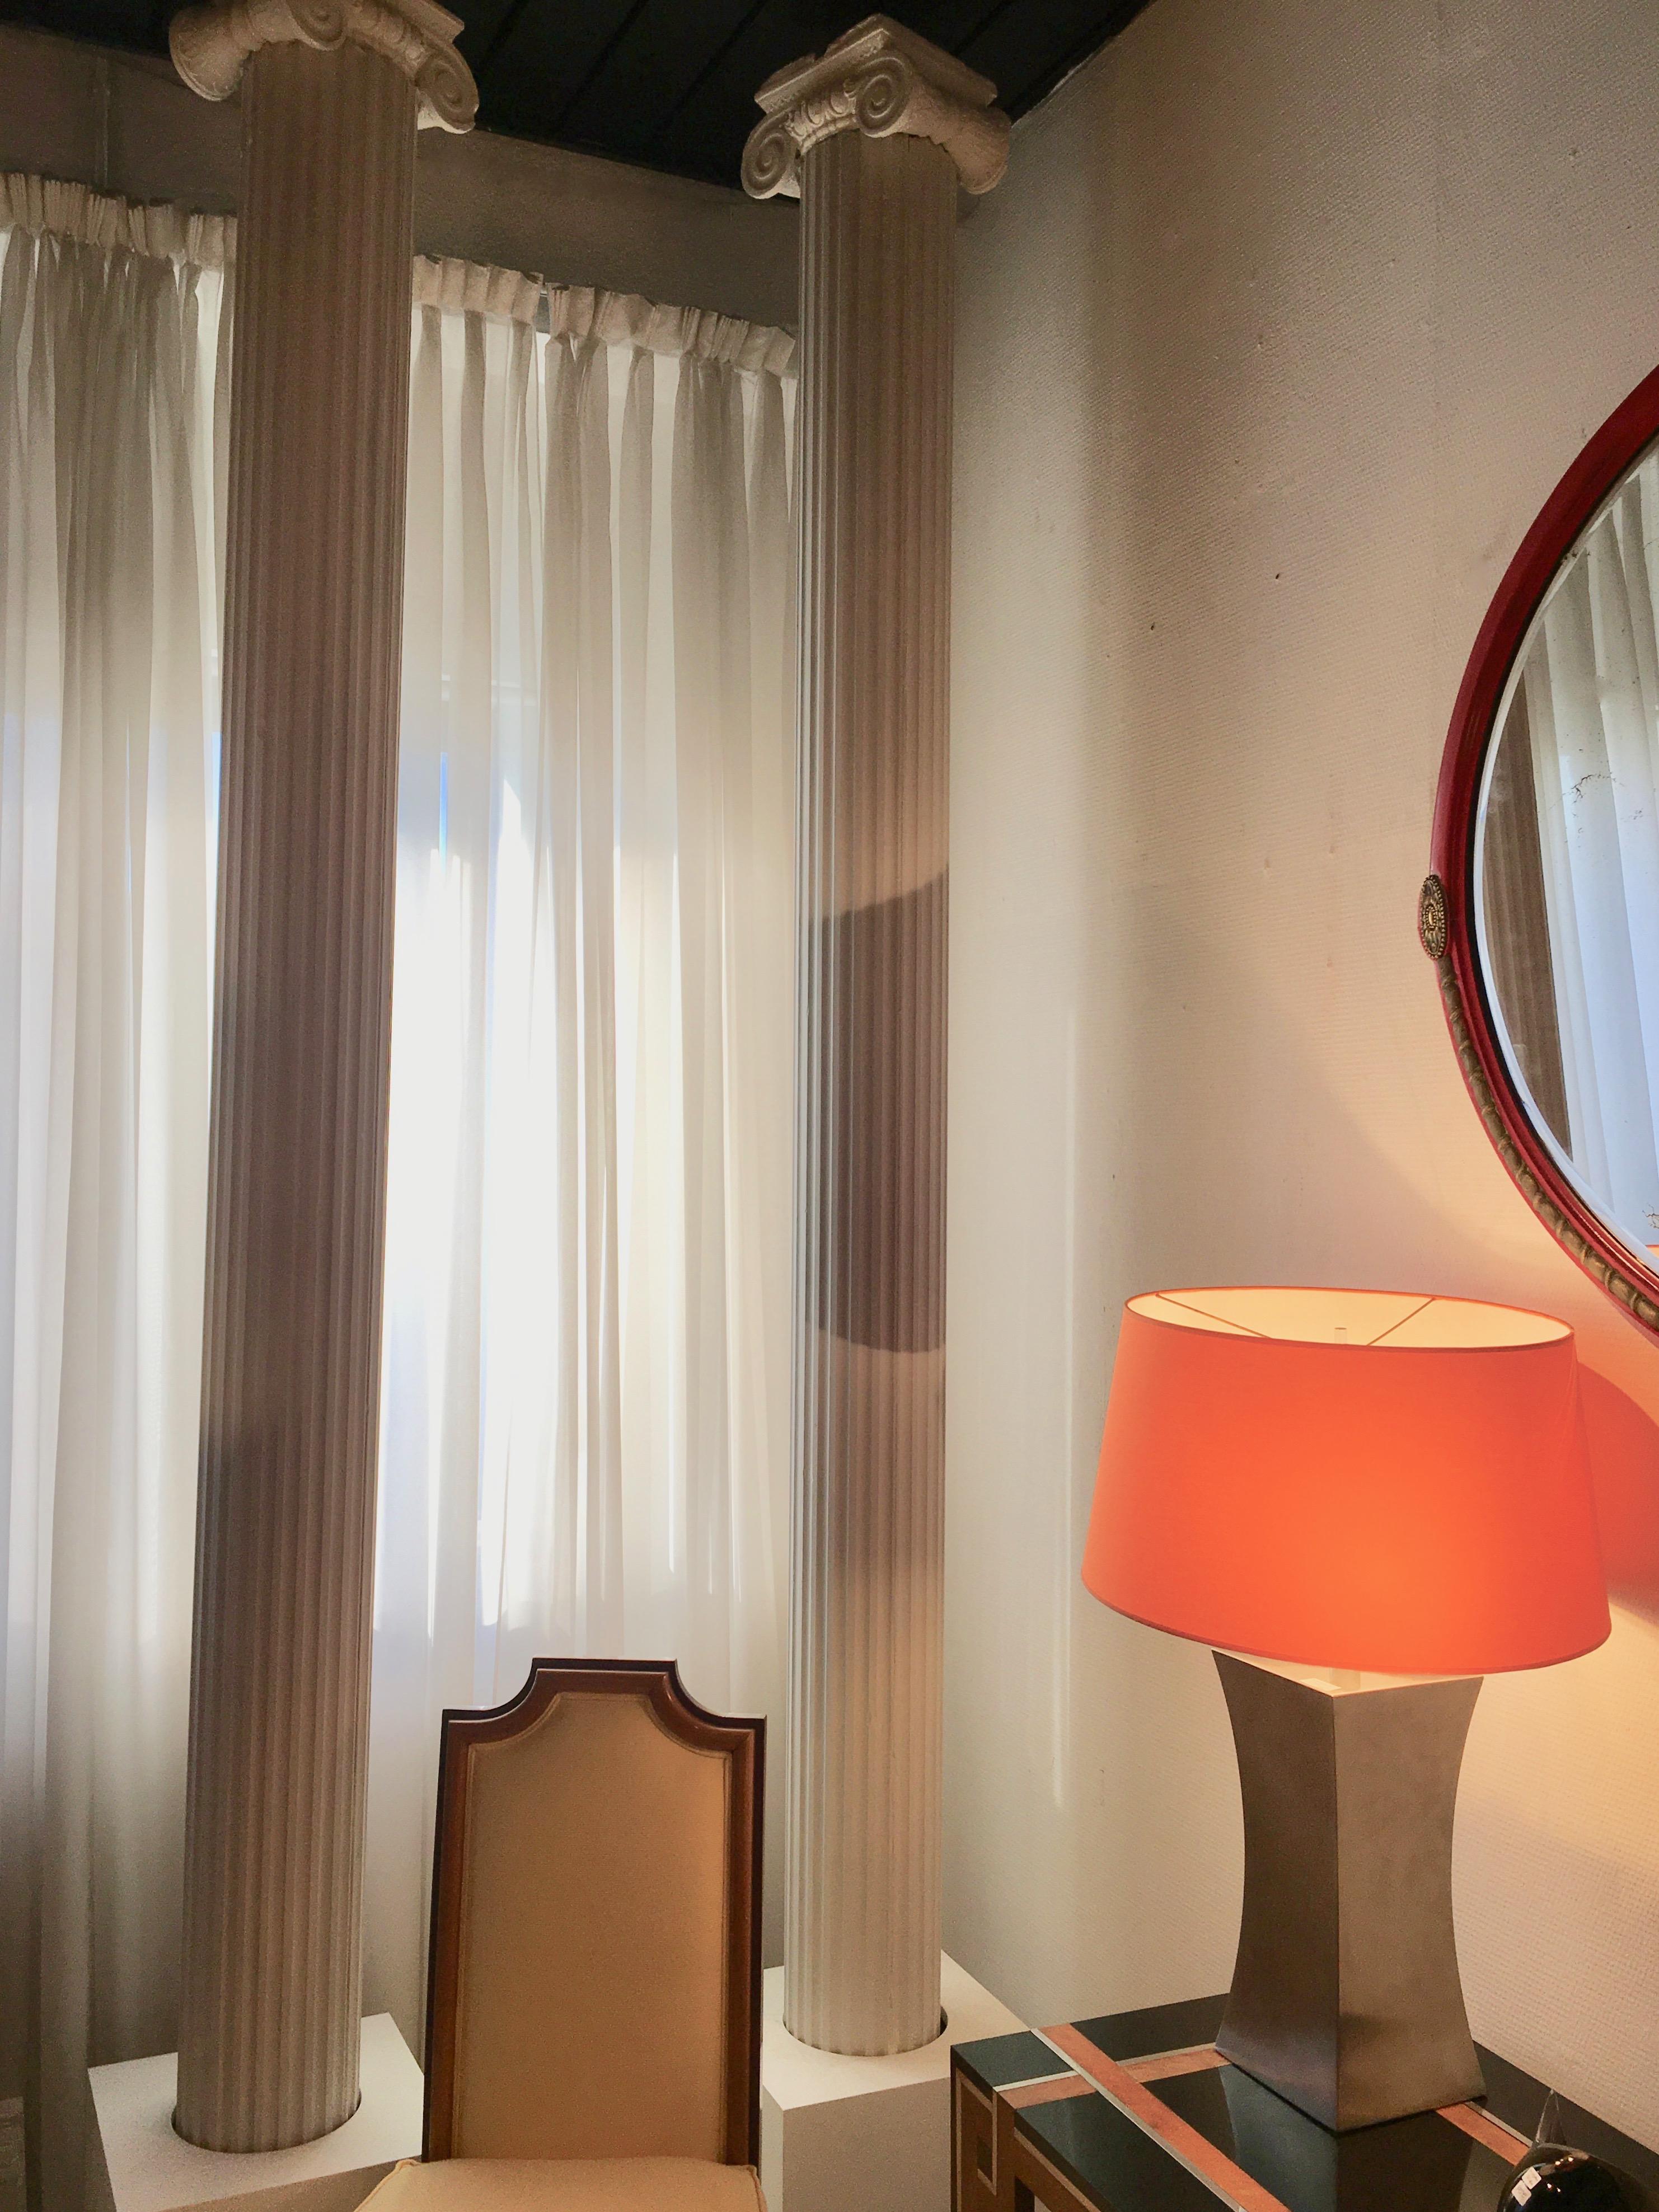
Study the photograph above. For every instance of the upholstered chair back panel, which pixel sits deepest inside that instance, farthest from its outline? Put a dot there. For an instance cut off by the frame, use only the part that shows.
(592, 1957)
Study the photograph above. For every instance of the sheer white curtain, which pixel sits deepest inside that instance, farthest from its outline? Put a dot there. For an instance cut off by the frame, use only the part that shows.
(108, 702)
(585, 1441)
(1592, 695)
(585, 1354)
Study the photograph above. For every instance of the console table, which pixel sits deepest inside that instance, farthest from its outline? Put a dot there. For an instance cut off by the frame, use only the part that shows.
(1137, 2111)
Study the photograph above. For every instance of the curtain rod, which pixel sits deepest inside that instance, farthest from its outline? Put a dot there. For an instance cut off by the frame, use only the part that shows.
(52, 207)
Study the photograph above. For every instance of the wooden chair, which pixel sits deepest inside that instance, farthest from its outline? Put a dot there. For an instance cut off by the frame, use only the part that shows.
(594, 2005)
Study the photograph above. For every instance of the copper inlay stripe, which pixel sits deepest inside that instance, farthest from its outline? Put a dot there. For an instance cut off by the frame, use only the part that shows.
(1165, 2065)
(1184, 2142)
(1481, 2125)
(1047, 2093)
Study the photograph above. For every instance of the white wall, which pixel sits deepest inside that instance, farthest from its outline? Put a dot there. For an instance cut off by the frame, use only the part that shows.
(1287, 319)
(125, 124)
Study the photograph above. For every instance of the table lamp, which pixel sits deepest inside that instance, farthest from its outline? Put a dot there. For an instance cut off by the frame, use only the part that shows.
(1339, 1489)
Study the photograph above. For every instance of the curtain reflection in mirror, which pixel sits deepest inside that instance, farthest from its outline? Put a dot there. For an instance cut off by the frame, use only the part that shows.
(1517, 922)
(1570, 873)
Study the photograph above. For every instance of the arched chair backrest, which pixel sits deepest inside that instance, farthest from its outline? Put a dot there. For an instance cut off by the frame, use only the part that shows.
(594, 1988)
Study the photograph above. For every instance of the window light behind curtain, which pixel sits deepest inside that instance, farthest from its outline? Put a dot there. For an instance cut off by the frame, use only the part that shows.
(584, 1431)
(584, 1441)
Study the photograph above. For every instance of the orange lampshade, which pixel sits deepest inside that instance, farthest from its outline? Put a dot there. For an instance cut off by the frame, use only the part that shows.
(1349, 1479)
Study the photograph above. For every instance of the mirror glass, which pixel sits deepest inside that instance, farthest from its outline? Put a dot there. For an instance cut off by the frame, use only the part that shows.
(1566, 864)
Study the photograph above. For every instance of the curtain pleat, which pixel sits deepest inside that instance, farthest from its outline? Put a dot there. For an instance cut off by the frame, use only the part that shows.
(1591, 683)
(109, 700)
(591, 1039)
(585, 1359)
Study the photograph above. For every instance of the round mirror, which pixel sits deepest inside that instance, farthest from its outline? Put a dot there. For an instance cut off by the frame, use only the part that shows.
(1543, 912)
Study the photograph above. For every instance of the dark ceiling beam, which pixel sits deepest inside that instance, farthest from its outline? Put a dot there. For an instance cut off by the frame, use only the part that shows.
(980, 27)
(630, 17)
(703, 74)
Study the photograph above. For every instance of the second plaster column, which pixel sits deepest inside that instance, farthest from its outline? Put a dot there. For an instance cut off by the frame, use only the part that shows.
(876, 137)
(332, 93)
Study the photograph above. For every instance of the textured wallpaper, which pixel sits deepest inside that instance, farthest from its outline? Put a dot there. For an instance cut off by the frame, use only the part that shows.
(1286, 320)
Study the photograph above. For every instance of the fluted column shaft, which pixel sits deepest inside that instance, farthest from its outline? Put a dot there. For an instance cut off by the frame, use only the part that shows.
(878, 217)
(875, 138)
(279, 1698)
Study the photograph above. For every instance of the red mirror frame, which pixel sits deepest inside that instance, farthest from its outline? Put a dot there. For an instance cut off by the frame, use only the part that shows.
(1445, 918)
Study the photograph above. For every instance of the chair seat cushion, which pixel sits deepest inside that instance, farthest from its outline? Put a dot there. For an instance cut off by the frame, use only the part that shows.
(567, 2184)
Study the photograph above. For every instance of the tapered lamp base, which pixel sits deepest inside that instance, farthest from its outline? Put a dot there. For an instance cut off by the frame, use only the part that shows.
(1346, 1996)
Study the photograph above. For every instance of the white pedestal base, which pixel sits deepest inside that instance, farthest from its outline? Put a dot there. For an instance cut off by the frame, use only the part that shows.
(149, 2168)
(873, 2133)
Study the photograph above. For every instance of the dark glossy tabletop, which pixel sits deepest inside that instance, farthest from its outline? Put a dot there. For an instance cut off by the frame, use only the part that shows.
(1429, 2163)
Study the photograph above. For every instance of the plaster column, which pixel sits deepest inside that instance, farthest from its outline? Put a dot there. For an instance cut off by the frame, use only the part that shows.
(331, 92)
(876, 137)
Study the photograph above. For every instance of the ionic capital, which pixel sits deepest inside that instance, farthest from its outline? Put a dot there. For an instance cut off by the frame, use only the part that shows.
(211, 45)
(882, 80)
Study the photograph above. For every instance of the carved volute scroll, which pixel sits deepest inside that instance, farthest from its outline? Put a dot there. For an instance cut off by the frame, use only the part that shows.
(212, 43)
(882, 80)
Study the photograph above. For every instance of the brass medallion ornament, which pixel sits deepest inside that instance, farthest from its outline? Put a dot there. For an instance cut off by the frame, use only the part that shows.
(1432, 917)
